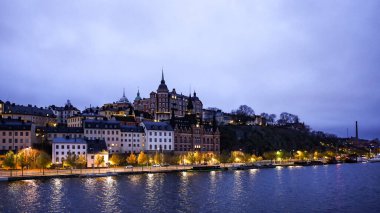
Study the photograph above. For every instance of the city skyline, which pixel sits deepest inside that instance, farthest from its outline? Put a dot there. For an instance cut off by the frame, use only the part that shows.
(317, 62)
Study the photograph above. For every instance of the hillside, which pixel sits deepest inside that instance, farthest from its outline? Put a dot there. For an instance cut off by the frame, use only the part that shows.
(257, 139)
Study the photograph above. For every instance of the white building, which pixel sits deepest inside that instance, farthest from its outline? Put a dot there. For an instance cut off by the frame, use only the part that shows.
(62, 146)
(159, 136)
(97, 148)
(132, 139)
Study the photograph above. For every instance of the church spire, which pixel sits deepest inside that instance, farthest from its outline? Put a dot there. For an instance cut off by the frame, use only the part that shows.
(162, 78)
(123, 92)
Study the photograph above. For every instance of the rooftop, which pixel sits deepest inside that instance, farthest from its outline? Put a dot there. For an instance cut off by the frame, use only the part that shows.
(157, 126)
(69, 140)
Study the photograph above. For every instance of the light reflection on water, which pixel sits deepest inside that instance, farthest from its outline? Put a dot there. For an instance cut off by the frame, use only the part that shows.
(343, 188)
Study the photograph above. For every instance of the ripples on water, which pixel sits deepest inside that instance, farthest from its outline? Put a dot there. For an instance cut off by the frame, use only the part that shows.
(343, 188)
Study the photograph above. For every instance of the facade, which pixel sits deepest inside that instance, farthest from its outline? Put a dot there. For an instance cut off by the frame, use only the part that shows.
(132, 139)
(159, 136)
(190, 134)
(63, 132)
(62, 146)
(109, 131)
(97, 148)
(63, 113)
(38, 116)
(15, 134)
(160, 103)
(77, 120)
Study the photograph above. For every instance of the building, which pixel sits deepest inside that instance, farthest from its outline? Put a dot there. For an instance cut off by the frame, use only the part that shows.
(190, 134)
(104, 130)
(132, 139)
(61, 147)
(63, 113)
(63, 132)
(159, 136)
(209, 114)
(36, 115)
(77, 120)
(16, 134)
(160, 103)
(97, 148)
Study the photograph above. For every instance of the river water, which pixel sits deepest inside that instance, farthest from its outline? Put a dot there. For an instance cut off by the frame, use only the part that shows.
(332, 188)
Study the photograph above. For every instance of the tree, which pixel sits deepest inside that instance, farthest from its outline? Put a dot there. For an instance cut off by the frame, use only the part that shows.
(142, 159)
(191, 157)
(223, 158)
(243, 114)
(132, 159)
(288, 118)
(9, 161)
(157, 158)
(81, 162)
(117, 159)
(43, 160)
(70, 160)
(269, 119)
(22, 161)
(99, 160)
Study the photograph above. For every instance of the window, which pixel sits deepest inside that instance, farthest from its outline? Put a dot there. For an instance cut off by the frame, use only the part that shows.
(16, 133)
(155, 147)
(3, 133)
(57, 147)
(84, 147)
(155, 140)
(10, 140)
(155, 133)
(150, 139)
(63, 153)
(26, 133)
(10, 134)
(170, 146)
(78, 146)
(56, 153)
(21, 134)
(150, 147)
(68, 146)
(3, 140)
(62, 147)
(73, 146)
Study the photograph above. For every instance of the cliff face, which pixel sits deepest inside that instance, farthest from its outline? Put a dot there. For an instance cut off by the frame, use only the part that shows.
(257, 140)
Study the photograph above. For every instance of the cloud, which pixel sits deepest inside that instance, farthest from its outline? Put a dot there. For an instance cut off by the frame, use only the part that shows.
(317, 59)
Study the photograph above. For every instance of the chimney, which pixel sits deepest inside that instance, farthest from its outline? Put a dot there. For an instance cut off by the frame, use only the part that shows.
(357, 132)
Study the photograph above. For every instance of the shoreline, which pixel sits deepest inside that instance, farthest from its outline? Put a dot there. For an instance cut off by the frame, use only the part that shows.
(113, 172)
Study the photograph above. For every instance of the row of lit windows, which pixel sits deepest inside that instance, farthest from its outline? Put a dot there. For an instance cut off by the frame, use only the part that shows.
(160, 147)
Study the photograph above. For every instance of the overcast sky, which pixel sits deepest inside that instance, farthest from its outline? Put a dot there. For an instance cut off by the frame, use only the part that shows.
(317, 59)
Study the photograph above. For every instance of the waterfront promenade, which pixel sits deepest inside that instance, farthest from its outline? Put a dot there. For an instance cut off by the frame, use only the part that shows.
(14, 175)
(8, 175)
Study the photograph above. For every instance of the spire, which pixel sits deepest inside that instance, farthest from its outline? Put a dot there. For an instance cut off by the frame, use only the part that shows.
(162, 78)
(123, 92)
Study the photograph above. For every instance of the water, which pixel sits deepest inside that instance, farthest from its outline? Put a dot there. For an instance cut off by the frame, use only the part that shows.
(333, 188)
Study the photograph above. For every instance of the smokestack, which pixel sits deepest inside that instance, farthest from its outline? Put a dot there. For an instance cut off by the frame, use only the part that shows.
(357, 134)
